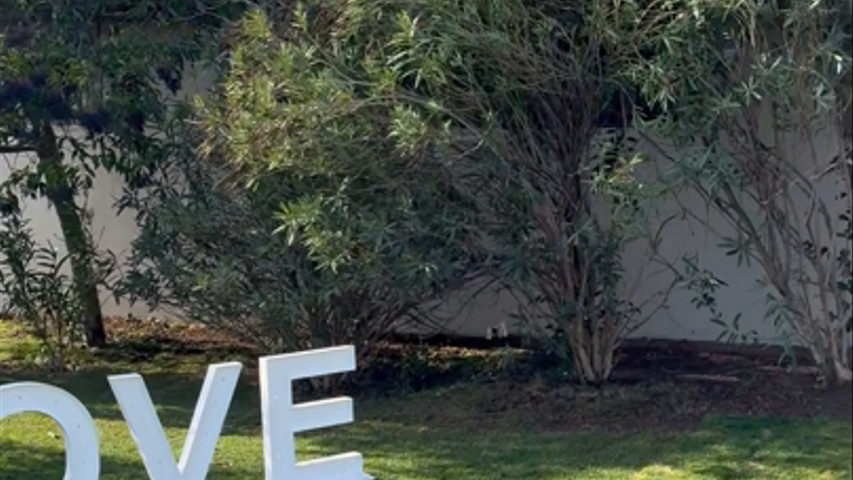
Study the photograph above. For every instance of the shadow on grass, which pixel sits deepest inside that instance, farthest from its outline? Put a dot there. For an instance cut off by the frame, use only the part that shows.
(174, 396)
(724, 449)
(22, 461)
(737, 448)
(40, 463)
(399, 443)
(740, 448)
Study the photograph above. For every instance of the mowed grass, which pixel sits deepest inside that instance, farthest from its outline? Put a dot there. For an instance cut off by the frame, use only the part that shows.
(425, 436)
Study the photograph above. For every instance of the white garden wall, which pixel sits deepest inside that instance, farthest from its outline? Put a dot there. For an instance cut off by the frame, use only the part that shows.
(681, 320)
(683, 237)
(110, 231)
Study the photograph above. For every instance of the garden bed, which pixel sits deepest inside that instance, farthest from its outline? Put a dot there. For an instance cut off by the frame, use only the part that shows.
(657, 384)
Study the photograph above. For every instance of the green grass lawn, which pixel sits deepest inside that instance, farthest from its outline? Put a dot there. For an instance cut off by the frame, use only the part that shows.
(428, 436)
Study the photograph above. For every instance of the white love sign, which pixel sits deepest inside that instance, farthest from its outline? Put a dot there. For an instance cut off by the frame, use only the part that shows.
(281, 420)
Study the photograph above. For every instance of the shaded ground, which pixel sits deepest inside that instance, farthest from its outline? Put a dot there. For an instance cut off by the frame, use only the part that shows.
(460, 413)
(657, 385)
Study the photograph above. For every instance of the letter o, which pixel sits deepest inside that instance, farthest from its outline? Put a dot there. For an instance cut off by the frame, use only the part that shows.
(82, 461)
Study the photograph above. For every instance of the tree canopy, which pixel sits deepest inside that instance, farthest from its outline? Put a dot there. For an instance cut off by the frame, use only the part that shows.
(82, 87)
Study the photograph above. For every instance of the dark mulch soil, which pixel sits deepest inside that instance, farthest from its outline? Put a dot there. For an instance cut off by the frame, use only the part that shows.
(656, 385)
(673, 393)
(144, 337)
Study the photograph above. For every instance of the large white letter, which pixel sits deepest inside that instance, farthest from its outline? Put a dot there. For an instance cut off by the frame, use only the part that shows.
(206, 425)
(78, 429)
(281, 418)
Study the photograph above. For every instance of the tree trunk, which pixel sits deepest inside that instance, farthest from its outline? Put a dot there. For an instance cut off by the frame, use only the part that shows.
(61, 195)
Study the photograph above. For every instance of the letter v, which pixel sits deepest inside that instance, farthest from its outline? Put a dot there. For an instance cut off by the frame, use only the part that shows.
(206, 425)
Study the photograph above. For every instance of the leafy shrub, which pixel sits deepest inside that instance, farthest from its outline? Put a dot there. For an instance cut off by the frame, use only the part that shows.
(211, 251)
(757, 105)
(36, 289)
(425, 139)
(301, 237)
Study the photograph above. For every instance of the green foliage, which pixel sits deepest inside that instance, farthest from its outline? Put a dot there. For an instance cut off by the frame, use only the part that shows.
(208, 250)
(375, 232)
(35, 289)
(756, 98)
(83, 87)
(102, 67)
(426, 138)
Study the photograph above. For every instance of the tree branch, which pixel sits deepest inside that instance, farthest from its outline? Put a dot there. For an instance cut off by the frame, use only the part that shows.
(16, 148)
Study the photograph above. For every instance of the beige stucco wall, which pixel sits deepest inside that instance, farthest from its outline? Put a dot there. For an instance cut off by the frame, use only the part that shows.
(683, 236)
(681, 320)
(110, 231)
(647, 281)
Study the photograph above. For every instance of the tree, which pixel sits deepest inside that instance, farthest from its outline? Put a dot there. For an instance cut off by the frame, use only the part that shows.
(266, 233)
(422, 137)
(81, 88)
(755, 98)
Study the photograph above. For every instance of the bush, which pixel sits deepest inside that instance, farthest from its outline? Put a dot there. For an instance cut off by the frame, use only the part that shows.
(209, 250)
(758, 104)
(425, 139)
(37, 290)
(299, 237)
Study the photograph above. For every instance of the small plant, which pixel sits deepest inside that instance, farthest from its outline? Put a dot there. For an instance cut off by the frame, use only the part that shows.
(36, 289)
